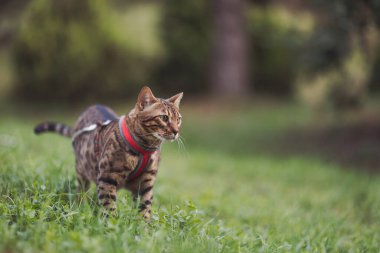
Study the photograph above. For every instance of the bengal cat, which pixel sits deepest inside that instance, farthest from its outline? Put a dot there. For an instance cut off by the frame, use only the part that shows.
(123, 152)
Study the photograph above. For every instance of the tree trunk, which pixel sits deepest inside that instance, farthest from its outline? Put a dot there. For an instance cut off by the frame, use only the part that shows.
(229, 69)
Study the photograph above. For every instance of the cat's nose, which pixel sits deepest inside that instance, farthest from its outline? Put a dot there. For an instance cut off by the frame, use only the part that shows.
(174, 129)
(175, 132)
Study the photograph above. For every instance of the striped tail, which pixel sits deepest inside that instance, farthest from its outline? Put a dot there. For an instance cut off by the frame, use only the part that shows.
(56, 127)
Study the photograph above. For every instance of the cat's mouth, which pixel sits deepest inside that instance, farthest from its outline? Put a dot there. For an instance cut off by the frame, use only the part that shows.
(172, 137)
(166, 137)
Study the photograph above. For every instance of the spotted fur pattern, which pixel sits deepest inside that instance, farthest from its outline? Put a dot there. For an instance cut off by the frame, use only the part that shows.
(103, 157)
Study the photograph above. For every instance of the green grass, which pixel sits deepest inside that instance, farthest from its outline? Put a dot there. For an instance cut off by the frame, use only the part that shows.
(218, 195)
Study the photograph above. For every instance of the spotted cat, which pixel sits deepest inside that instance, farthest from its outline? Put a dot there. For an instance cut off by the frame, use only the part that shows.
(123, 152)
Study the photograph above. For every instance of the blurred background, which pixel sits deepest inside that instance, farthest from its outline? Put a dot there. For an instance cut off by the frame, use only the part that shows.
(289, 76)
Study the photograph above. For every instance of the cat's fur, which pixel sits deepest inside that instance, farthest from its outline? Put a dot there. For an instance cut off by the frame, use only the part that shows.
(103, 157)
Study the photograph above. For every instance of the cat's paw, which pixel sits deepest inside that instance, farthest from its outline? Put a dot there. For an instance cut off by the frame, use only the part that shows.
(146, 215)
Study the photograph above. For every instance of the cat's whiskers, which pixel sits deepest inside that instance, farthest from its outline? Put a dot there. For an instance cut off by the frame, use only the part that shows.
(183, 139)
(181, 145)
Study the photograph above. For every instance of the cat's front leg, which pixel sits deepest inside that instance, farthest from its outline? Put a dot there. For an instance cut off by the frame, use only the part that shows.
(107, 186)
(146, 193)
(145, 207)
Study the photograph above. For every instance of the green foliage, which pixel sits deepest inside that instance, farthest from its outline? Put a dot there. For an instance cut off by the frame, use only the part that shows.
(210, 200)
(343, 28)
(336, 22)
(74, 50)
(374, 83)
(276, 41)
(186, 35)
(325, 49)
(340, 88)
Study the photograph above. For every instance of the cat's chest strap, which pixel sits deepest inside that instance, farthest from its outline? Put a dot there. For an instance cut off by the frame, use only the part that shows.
(144, 153)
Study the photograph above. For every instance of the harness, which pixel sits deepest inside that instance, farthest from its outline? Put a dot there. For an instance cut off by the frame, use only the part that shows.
(143, 152)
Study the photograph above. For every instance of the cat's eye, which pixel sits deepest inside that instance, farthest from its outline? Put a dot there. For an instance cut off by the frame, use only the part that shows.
(164, 118)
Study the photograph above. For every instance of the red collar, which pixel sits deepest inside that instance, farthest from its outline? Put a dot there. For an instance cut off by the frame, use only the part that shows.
(143, 152)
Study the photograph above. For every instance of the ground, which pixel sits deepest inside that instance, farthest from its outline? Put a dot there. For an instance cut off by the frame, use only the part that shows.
(231, 189)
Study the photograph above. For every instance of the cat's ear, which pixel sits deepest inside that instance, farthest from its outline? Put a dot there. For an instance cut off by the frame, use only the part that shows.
(145, 98)
(176, 99)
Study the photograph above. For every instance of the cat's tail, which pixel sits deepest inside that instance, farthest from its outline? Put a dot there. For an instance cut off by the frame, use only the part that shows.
(55, 127)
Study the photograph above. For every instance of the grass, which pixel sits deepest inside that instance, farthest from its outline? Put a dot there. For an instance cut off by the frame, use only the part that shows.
(218, 195)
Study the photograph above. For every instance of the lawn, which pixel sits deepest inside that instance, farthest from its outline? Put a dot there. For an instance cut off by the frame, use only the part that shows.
(220, 193)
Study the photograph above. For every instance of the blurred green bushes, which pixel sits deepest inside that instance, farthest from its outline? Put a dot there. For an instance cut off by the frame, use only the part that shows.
(374, 81)
(75, 50)
(276, 38)
(80, 50)
(338, 65)
(186, 35)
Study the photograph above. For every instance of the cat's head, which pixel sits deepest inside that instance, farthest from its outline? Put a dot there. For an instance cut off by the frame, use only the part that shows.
(158, 118)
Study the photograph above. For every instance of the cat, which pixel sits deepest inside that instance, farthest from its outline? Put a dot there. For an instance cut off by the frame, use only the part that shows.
(123, 152)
